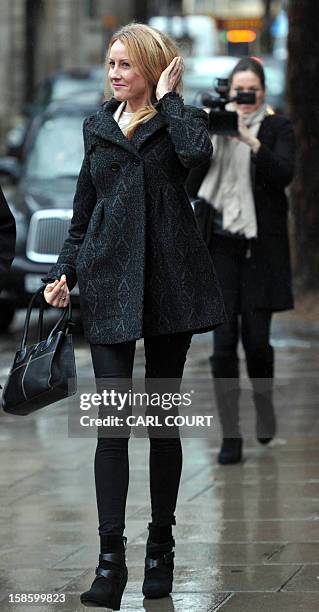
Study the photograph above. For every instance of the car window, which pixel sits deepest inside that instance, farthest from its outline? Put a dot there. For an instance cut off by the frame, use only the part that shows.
(64, 88)
(57, 150)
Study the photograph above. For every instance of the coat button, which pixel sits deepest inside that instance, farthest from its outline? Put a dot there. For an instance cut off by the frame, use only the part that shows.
(136, 162)
(115, 166)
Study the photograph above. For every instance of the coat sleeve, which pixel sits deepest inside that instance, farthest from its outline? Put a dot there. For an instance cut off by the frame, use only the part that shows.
(276, 167)
(7, 238)
(83, 205)
(188, 129)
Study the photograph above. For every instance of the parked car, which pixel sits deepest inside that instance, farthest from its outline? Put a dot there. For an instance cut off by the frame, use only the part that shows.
(59, 86)
(42, 202)
(201, 73)
(56, 87)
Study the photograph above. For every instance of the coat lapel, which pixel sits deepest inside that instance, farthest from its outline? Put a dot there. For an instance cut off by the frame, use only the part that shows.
(103, 125)
(146, 130)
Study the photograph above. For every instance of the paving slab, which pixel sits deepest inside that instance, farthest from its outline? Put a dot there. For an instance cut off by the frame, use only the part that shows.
(180, 602)
(271, 602)
(305, 579)
(302, 552)
(31, 580)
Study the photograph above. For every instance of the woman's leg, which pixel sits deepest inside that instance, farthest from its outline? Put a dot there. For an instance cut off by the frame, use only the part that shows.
(256, 327)
(165, 359)
(111, 458)
(225, 369)
(227, 255)
(113, 365)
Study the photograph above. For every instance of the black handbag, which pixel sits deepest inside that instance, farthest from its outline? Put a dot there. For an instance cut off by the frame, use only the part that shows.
(44, 372)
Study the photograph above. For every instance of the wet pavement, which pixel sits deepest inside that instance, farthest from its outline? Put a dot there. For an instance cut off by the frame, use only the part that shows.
(247, 536)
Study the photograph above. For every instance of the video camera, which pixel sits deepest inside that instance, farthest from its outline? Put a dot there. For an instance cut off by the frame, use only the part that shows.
(222, 121)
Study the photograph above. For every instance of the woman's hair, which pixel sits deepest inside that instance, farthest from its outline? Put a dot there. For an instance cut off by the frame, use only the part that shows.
(249, 63)
(150, 51)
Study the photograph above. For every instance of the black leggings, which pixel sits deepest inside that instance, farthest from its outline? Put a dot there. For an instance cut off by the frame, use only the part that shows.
(231, 264)
(165, 357)
(253, 327)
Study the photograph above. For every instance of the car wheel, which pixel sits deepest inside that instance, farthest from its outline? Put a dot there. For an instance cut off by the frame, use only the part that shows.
(6, 316)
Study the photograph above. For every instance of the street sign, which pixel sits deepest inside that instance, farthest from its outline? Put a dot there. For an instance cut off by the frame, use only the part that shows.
(240, 24)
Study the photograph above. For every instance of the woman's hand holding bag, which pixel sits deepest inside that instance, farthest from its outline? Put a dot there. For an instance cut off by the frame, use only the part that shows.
(57, 293)
(44, 372)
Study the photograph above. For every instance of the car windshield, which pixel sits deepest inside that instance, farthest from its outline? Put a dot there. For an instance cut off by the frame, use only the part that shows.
(58, 150)
(66, 88)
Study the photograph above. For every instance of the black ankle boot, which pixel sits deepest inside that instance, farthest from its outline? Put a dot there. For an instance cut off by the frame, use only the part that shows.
(159, 567)
(111, 577)
(231, 451)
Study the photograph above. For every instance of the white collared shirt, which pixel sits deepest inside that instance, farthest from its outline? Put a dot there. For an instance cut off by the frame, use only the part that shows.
(122, 117)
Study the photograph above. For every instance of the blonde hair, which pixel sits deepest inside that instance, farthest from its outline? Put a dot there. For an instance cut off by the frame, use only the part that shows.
(151, 51)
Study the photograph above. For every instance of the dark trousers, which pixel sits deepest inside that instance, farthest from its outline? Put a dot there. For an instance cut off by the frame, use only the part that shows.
(165, 357)
(230, 256)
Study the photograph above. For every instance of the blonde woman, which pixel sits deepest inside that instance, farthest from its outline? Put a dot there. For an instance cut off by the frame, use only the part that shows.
(143, 271)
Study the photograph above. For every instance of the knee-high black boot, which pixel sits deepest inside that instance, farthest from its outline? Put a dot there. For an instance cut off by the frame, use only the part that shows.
(260, 367)
(225, 370)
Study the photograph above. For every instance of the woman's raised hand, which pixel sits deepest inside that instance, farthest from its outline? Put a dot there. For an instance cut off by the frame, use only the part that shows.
(57, 294)
(245, 135)
(170, 77)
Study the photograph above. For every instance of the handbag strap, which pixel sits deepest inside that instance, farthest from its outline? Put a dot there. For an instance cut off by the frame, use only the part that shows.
(63, 320)
(40, 319)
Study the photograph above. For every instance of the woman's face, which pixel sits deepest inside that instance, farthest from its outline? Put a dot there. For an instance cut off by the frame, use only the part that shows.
(247, 81)
(126, 81)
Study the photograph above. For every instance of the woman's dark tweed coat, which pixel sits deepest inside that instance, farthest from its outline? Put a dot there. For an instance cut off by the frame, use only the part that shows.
(133, 244)
(268, 283)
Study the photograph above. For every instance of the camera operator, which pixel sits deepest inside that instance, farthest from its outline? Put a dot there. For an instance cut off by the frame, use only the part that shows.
(245, 186)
